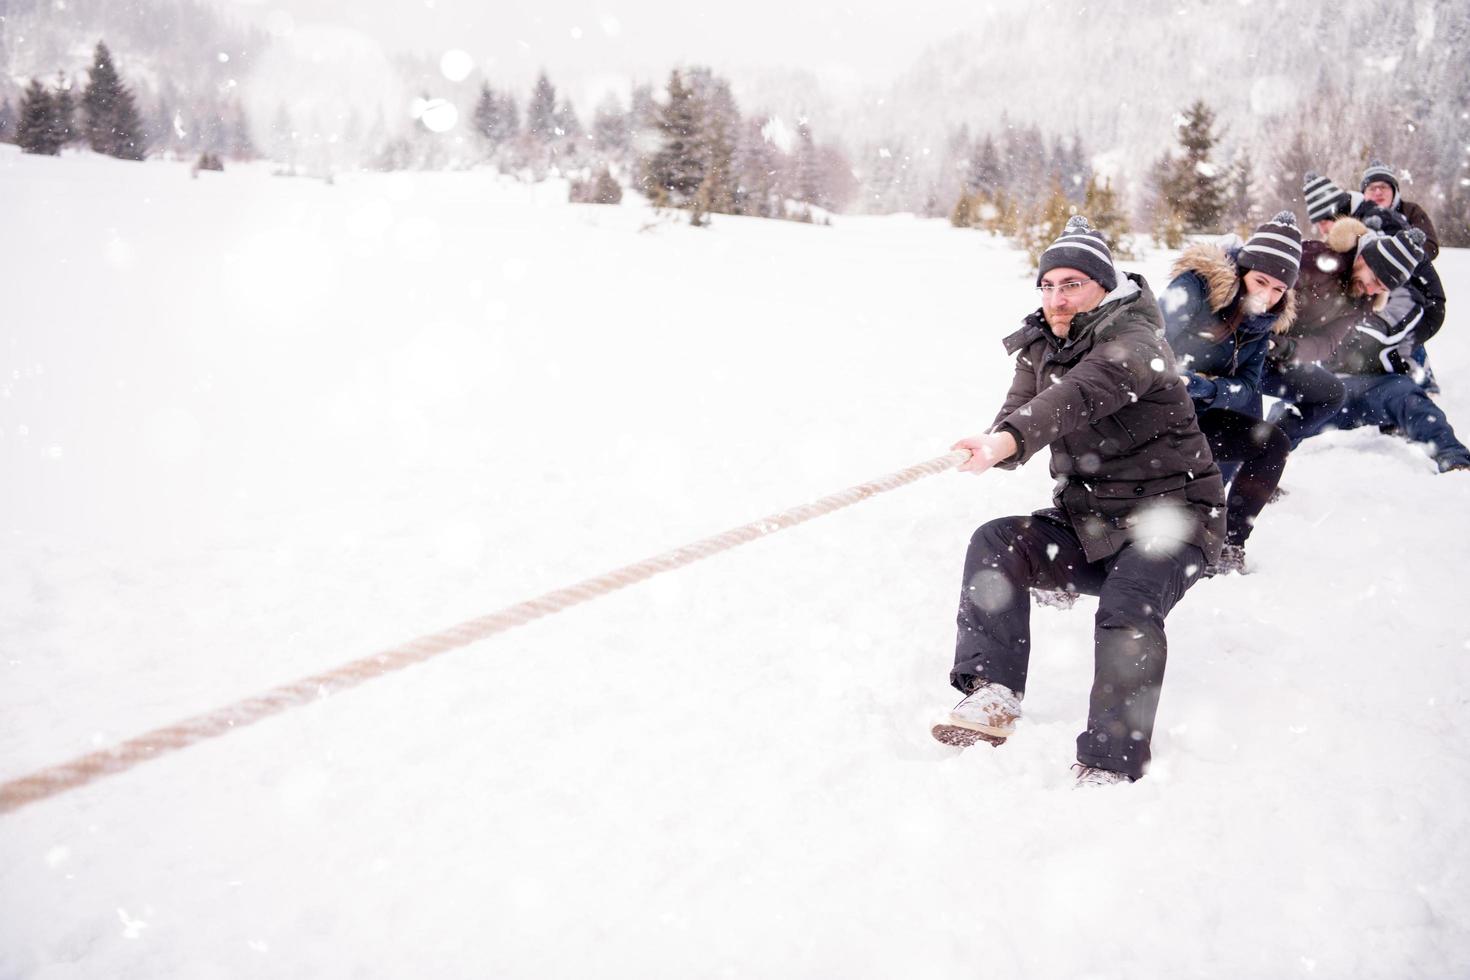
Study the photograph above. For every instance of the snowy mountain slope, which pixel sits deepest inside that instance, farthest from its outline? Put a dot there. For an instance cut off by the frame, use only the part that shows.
(254, 427)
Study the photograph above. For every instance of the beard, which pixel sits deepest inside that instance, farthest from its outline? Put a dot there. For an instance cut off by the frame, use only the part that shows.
(1059, 322)
(1357, 290)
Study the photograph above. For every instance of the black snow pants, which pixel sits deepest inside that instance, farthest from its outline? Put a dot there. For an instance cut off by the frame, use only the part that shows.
(1136, 590)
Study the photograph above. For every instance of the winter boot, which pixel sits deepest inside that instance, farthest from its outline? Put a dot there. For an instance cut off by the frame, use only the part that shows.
(1055, 598)
(1232, 559)
(1088, 776)
(987, 714)
(1452, 462)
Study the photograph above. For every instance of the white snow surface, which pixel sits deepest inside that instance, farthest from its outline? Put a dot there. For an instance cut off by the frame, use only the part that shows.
(254, 427)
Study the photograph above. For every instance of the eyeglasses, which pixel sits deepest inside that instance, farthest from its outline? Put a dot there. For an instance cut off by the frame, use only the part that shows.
(1068, 288)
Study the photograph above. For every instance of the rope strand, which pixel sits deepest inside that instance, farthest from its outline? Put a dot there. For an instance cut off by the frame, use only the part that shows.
(106, 762)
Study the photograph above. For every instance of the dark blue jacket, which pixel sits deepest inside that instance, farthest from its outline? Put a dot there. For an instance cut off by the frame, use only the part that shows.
(1222, 373)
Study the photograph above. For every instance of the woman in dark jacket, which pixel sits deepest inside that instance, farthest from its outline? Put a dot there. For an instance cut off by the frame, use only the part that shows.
(1220, 311)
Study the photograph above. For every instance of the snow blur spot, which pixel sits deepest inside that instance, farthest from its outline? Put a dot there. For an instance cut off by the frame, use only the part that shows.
(1089, 463)
(1162, 527)
(259, 945)
(781, 136)
(1173, 298)
(118, 253)
(54, 452)
(1157, 364)
(1191, 569)
(1327, 263)
(991, 591)
(611, 26)
(456, 64)
(58, 855)
(576, 33)
(437, 115)
(132, 928)
(223, 58)
(1052, 551)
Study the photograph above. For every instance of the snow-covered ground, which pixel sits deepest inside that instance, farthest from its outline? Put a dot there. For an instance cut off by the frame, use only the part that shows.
(253, 427)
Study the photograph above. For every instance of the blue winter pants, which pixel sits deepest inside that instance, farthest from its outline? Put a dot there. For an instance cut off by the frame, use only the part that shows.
(1394, 399)
(1311, 396)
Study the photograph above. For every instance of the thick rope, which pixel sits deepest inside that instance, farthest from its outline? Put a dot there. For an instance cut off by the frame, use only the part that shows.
(106, 762)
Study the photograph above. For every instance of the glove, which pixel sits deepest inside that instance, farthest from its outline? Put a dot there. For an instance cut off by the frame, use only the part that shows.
(1201, 388)
(1282, 348)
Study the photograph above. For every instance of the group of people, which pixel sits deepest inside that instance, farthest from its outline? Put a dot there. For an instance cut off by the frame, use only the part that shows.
(1163, 454)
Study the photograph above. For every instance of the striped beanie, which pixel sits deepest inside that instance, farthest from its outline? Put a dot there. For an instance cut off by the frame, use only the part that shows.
(1378, 170)
(1275, 249)
(1393, 258)
(1325, 200)
(1082, 248)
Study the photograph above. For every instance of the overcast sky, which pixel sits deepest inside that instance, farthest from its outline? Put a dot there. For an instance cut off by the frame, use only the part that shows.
(857, 44)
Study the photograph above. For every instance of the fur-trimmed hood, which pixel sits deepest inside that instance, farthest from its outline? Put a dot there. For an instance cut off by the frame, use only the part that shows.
(1343, 238)
(1344, 234)
(1216, 266)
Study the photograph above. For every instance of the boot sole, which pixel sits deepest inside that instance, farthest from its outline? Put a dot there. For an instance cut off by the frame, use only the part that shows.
(963, 737)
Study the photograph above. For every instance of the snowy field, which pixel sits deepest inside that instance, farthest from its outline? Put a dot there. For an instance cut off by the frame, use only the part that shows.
(254, 427)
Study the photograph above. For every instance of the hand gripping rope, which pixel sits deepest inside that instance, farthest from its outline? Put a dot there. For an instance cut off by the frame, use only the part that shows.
(94, 765)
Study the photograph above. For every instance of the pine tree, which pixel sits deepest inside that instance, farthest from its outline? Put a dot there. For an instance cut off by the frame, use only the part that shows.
(63, 111)
(36, 132)
(675, 172)
(495, 118)
(719, 132)
(541, 112)
(1100, 204)
(1045, 223)
(1243, 211)
(1197, 180)
(610, 129)
(756, 166)
(8, 121)
(112, 123)
(983, 176)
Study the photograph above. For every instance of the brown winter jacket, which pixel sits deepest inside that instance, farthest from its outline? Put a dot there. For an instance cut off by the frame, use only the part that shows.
(1122, 429)
(1325, 307)
(1417, 218)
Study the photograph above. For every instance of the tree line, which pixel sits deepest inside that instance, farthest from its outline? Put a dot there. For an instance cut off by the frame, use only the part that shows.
(688, 145)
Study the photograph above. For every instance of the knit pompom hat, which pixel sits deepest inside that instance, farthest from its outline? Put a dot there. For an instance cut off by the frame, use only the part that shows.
(1275, 249)
(1080, 247)
(1392, 258)
(1325, 200)
(1378, 170)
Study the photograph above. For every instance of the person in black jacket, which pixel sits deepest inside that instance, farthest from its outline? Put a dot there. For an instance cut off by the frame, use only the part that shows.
(1220, 311)
(1139, 508)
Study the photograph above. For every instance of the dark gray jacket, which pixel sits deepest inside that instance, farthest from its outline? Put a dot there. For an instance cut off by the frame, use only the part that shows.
(1123, 434)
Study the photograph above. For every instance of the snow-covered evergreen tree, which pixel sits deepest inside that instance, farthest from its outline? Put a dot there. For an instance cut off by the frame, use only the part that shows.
(36, 131)
(8, 120)
(674, 173)
(113, 126)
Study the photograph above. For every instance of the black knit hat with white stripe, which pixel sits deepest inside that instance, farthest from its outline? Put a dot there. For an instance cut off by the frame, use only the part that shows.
(1080, 247)
(1392, 258)
(1275, 249)
(1325, 200)
(1378, 170)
